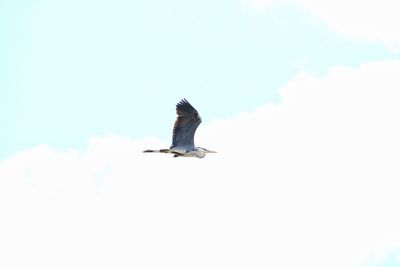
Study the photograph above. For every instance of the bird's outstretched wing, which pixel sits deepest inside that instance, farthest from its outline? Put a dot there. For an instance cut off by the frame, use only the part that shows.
(185, 125)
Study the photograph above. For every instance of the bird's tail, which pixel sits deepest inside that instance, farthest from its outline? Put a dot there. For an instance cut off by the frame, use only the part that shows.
(157, 151)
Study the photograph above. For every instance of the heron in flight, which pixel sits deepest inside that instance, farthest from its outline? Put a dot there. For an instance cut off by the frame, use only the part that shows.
(183, 134)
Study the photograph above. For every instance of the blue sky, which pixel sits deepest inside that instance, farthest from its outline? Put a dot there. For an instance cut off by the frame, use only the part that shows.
(299, 98)
(72, 69)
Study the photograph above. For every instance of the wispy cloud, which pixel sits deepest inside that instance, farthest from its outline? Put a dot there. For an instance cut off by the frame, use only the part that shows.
(311, 181)
(371, 21)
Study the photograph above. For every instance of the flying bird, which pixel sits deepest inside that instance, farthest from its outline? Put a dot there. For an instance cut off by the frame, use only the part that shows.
(183, 133)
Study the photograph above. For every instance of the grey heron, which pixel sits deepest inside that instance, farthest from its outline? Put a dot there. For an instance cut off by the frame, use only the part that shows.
(185, 126)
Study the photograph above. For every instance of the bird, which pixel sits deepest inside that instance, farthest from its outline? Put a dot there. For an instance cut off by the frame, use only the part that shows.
(186, 123)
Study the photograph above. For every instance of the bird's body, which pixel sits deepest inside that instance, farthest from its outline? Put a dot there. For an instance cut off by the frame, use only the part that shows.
(183, 134)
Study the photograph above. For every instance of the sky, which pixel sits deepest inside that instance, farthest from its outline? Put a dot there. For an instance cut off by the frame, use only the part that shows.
(299, 98)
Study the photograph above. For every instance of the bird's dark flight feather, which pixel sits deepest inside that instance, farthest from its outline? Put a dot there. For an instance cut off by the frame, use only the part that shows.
(185, 125)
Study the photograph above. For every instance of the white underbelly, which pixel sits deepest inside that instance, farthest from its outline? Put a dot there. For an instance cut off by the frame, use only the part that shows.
(193, 153)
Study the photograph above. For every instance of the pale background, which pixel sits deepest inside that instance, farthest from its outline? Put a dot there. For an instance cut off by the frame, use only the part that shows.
(300, 98)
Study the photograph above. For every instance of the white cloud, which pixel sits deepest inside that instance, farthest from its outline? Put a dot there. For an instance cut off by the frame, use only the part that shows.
(369, 20)
(366, 20)
(309, 182)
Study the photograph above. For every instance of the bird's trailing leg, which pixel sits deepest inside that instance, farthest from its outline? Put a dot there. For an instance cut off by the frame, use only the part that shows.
(157, 151)
(166, 150)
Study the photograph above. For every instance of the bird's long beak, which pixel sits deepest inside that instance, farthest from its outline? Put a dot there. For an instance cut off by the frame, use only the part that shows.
(210, 151)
